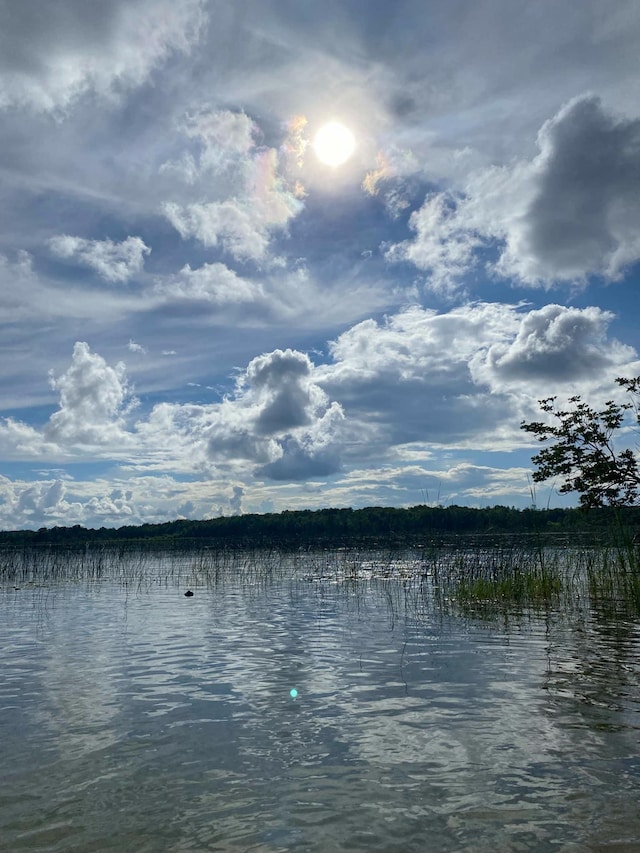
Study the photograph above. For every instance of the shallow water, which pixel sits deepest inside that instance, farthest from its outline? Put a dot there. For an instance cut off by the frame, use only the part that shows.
(133, 718)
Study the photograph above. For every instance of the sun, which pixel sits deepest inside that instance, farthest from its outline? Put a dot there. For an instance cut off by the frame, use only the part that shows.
(334, 144)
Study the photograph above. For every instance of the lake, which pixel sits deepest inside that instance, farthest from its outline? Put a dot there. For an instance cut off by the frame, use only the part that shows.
(324, 702)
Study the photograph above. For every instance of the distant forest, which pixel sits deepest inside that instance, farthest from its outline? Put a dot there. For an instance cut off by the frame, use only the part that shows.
(336, 527)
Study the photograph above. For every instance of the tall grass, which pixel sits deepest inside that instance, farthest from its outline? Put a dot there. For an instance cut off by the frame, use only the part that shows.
(501, 576)
(613, 580)
(492, 576)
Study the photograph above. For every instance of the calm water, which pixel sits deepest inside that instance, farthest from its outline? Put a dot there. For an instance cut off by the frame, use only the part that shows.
(133, 718)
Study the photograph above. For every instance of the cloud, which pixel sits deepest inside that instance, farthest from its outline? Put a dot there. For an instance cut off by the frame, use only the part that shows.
(292, 407)
(407, 379)
(229, 223)
(37, 300)
(460, 378)
(186, 124)
(391, 180)
(417, 343)
(296, 140)
(94, 399)
(443, 246)
(311, 453)
(554, 344)
(19, 440)
(114, 507)
(116, 262)
(35, 504)
(582, 215)
(230, 437)
(278, 424)
(214, 283)
(280, 382)
(249, 199)
(235, 501)
(222, 131)
(258, 299)
(571, 212)
(94, 503)
(224, 140)
(280, 418)
(17, 280)
(51, 53)
(399, 388)
(43, 497)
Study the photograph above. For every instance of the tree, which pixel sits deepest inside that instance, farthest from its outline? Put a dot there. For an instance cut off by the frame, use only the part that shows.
(583, 453)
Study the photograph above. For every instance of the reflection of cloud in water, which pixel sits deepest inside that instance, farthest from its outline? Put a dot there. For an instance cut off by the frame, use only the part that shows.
(452, 703)
(154, 703)
(394, 733)
(79, 678)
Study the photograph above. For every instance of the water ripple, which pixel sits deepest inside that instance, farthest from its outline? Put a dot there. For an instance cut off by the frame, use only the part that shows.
(148, 721)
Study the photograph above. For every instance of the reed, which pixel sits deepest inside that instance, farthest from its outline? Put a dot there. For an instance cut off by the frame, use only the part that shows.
(504, 577)
(613, 579)
(420, 581)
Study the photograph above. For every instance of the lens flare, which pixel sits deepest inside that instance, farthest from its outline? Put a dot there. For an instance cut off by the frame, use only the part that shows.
(293, 693)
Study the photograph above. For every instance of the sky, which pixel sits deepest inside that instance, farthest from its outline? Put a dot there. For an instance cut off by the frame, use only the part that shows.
(201, 317)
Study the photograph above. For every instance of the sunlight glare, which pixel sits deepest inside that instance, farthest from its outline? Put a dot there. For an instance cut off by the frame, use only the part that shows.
(334, 144)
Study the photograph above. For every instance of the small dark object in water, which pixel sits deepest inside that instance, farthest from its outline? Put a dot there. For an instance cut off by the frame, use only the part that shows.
(188, 593)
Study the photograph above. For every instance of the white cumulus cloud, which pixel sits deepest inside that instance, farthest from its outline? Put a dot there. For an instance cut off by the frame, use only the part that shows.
(460, 377)
(443, 245)
(19, 440)
(582, 191)
(34, 504)
(116, 262)
(280, 418)
(94, 399)
(570, 212)
(245, 212)
(214, 283)
(554, 344)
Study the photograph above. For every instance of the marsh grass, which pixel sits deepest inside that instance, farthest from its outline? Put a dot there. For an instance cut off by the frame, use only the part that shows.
(613, 580)
(501, 577)
(605, 579)
(523, 586)
(495, 576)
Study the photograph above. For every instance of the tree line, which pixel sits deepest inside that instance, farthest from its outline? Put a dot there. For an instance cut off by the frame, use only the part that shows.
(581, 452)
(335, 527)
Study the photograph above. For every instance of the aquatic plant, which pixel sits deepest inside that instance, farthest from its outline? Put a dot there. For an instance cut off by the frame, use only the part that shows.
(494, 573)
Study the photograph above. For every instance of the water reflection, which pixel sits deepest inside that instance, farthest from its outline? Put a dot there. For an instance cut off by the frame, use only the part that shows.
(133, 718)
